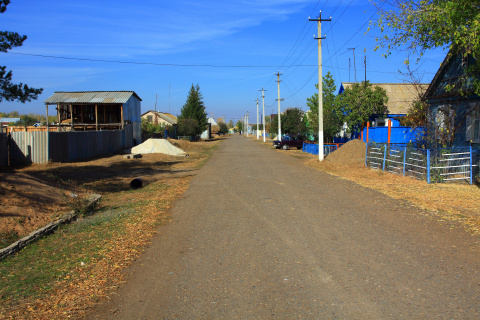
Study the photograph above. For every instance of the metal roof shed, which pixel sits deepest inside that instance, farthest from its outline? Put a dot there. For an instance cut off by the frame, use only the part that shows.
(98, 110)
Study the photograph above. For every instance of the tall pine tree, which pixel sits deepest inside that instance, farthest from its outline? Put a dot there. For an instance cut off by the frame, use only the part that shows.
(193, 109)
(8, 90)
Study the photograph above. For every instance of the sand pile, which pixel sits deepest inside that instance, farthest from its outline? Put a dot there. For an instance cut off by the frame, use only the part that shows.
(158, 146)
(351, 153)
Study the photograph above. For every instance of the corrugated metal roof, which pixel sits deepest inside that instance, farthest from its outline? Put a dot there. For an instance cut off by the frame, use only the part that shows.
(400, 95)
(91, 97)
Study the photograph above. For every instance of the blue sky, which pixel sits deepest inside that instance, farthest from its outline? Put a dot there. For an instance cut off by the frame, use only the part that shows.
(244, 42)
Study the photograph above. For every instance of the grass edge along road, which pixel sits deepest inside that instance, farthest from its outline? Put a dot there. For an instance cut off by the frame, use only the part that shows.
(62, 275)
(454, 203)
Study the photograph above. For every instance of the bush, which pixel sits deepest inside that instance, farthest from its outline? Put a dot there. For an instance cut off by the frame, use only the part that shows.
(151, 130)
(188, 127)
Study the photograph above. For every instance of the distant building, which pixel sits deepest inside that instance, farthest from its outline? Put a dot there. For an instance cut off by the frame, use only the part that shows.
(161, 118)
(400, 99)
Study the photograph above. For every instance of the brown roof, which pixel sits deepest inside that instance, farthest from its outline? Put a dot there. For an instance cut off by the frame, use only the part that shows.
(400, 95)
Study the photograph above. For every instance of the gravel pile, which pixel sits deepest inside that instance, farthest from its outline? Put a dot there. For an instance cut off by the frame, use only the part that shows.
(158, 146)
(351, 153)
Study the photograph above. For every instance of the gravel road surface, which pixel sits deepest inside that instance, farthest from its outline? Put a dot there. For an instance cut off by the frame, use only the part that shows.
(259, 235)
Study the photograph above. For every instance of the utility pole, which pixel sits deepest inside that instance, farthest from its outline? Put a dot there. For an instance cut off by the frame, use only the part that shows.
(278, 117)
(258, 136)
(354, 67)
(349, 66)
(247, 123)
(263, 112)
(365, 63)
(320, 85)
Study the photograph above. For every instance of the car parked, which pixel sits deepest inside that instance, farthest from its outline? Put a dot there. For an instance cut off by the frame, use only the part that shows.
(288, 142)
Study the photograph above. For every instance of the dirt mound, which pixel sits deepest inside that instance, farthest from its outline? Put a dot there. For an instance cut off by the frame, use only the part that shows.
(158, 146)
(351, 153)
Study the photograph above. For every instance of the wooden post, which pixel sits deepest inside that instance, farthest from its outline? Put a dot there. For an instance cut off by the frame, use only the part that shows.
(71, 117)
(389, 130)
(121, 114)
(368, 126)
(47, 116)
(96, 117)
(58, 113)
(81, 114)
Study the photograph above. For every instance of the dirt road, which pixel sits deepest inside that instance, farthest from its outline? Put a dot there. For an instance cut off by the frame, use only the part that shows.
(259, 235)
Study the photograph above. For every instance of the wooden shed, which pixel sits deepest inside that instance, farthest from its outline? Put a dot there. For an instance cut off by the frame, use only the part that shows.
(97, 110)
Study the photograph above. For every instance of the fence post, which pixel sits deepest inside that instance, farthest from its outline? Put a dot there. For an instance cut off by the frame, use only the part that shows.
(368, 126)
(471, 166)
(366, 155)
(404, 159)
(428, 165)
(384, 156)
(389, 130)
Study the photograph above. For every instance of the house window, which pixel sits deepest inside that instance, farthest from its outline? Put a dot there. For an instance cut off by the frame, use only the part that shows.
(150, 118)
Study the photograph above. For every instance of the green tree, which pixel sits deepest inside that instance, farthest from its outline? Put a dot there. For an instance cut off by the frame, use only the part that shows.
(189, 127)
(332, 118)
(292, 122)
(26, 120)
(223, 127)
(420, 25)
(230, 124)
(239, 125)
(193, 109)
(359, 102)
(8, 90)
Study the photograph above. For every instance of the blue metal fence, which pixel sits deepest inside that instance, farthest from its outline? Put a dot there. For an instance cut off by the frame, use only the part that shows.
(312, 148)
(431, 165)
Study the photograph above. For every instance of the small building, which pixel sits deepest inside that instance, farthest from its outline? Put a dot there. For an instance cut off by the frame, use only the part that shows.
(98, 110)
(4, 122)
(161, 118)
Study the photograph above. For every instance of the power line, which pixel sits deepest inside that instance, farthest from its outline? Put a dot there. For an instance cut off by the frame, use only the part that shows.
(150, 63)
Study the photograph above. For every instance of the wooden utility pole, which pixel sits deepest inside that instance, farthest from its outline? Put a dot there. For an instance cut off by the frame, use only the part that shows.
(354, 66)
(320, 85)
(263, 112)
(278, 117)
(258, 136)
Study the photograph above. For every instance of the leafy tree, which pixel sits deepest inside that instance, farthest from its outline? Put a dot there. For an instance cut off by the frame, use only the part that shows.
(292, 121)
(360, 101)
(420, 25)
(223, 127)
(230, 124)
(8, 90)
(26, 120)
(332, 118)
(273, 126)
(193, 109)
(189, 127)
(151, 130)
(239, 125)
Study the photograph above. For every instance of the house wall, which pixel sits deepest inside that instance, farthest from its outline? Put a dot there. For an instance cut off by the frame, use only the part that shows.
(461, 108)
(156, 118)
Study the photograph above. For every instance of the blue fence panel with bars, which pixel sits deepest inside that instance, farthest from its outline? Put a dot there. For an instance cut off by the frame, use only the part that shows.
(431, 165)
(312, 148)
